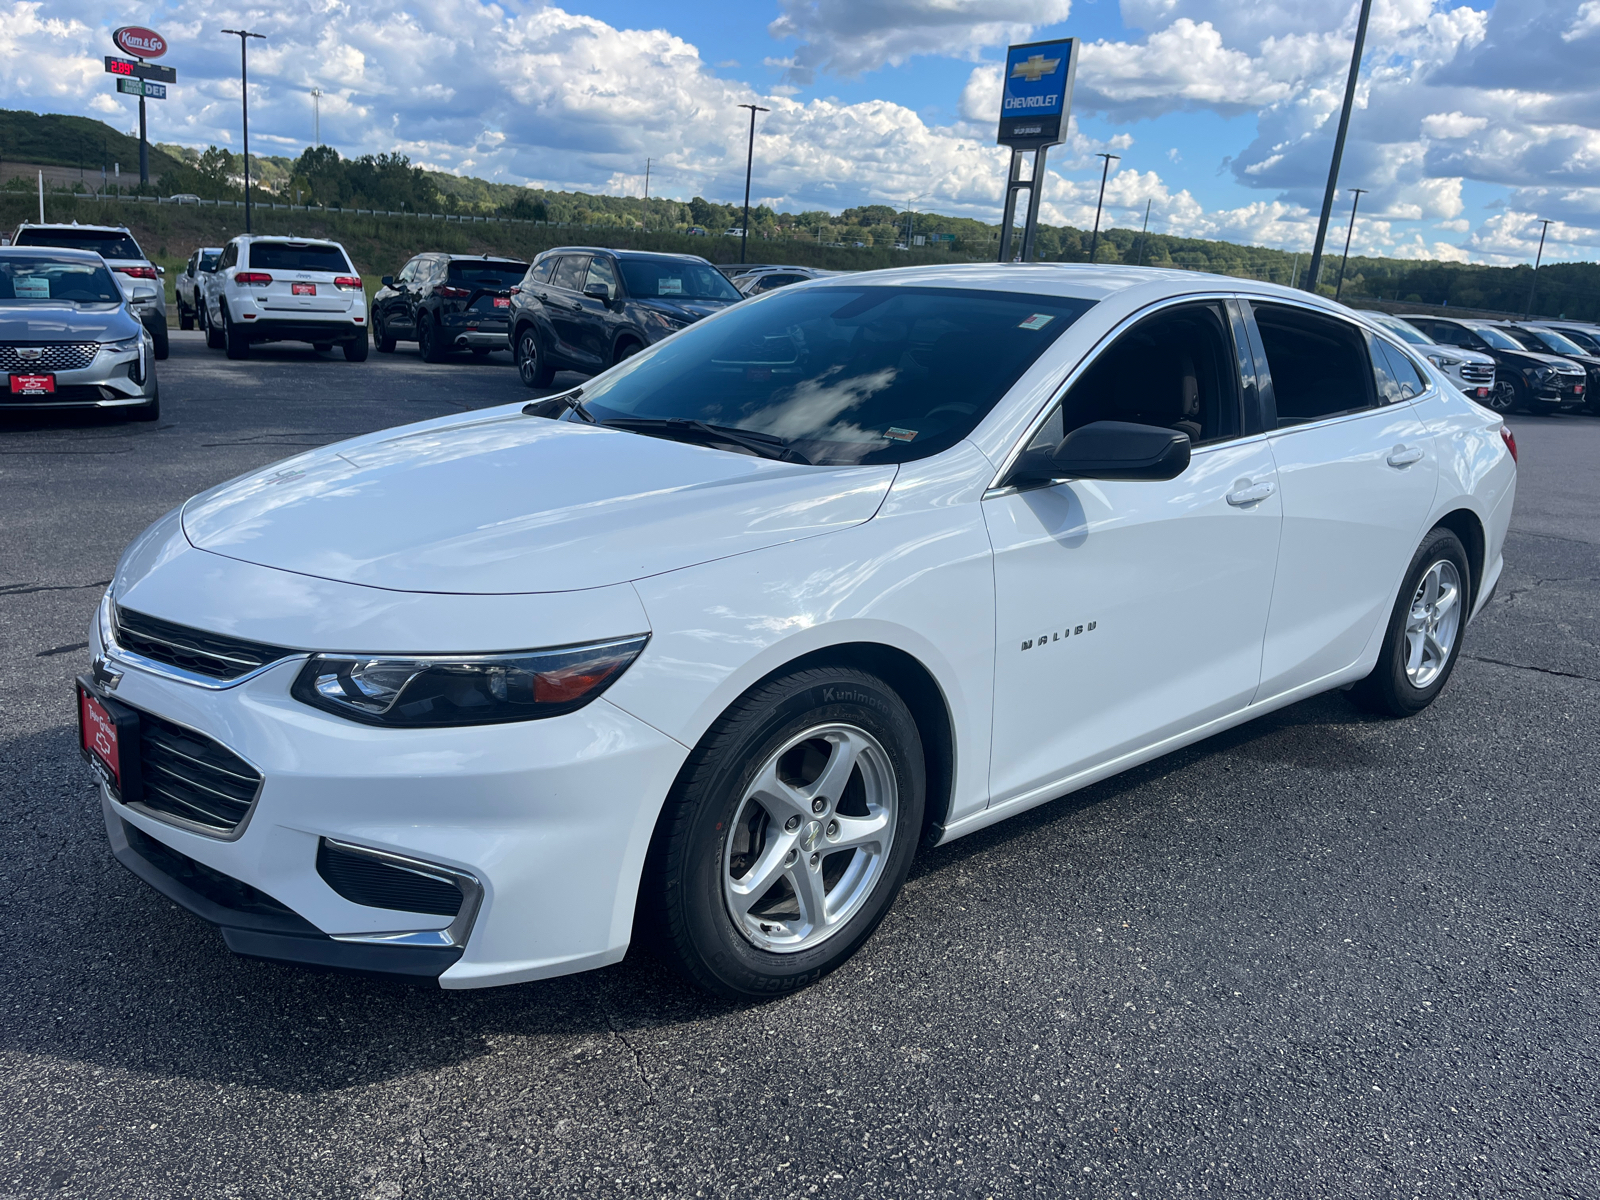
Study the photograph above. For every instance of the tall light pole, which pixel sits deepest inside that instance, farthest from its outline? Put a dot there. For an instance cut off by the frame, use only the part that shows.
(1094, 242)
(647, 179)
(1359, 192)
(749, 163)
(1145, 232)
(1538, 258)
(316, 116)
(244, 36)
(1315, 268)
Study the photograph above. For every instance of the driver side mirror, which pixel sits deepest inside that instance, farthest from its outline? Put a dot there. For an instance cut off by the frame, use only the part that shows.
(1108, 450)
(598, 291)
(142, 294)
(387, 281)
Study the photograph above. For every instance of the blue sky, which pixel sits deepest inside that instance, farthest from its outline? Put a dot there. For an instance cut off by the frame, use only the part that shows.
(1474, 118)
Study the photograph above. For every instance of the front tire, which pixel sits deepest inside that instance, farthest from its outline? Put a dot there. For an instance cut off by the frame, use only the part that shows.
(1423, 641)
(162, 340)
(788, 834)
(150, 411)
(534, 370)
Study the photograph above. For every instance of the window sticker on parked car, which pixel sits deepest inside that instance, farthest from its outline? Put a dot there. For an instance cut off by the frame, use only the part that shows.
(669, 287)
(898, 434)
(36, 287)
(1036, 321)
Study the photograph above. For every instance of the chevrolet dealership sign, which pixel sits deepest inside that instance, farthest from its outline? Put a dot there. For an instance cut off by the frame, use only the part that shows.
(1036, 93)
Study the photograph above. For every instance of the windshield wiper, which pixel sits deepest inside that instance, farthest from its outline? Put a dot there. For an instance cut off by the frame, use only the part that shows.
(767, 445)
(568, 401)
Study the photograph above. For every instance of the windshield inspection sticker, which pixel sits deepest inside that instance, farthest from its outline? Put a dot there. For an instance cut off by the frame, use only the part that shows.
(898, 434)
(1036, 321)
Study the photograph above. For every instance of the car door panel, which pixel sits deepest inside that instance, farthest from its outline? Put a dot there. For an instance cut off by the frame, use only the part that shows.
(1357, 488)
(566, 315)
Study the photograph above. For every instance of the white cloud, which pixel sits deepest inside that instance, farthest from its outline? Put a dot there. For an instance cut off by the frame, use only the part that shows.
(1585, 23)
(847, 37)
(1452, 125)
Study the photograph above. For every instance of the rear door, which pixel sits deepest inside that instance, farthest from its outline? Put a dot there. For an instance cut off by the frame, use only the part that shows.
(305, 277)
(1358, 469)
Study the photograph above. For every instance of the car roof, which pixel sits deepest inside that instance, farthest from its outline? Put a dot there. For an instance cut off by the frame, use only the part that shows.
(481, 257)
(72, 225)
(619, 253)
(52, 251)
(252, 238)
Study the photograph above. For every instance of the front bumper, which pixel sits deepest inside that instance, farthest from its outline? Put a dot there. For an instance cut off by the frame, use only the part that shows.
(108, 382)
(552, 818)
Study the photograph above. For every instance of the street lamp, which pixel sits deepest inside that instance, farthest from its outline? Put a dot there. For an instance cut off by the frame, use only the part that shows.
(1359, 192)
(1094, 242)
(749, 162)
(1545, 228)
(1315, 268)
(244, 36)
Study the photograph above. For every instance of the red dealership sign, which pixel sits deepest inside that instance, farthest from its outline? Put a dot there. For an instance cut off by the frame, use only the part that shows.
(139, 41)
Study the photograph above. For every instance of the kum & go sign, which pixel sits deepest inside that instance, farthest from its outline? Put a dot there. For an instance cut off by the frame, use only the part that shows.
(1036, 93)
(139, 41)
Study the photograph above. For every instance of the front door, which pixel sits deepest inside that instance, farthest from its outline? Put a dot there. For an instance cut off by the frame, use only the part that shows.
(1359, 471)
(563, 303)
(1131, 612)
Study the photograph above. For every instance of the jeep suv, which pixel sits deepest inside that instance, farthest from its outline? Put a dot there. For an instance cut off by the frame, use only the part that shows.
(122, 254)
(285, 289)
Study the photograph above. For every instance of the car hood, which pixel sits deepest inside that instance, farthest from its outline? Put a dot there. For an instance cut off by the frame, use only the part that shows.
(509, 503)
(686, 310)
(1532, 358)
(66, 323)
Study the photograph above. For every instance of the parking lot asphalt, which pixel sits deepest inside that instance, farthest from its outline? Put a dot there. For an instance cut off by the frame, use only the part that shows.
(1320, 955)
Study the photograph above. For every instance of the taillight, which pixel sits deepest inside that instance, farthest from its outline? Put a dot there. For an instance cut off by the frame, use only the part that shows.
(137, 272)
(454, 293)
(1510, 441)
(347, 281)
(256, 278)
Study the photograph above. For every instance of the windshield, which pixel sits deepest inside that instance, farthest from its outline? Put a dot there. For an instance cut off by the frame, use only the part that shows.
(1405, 330)
(844, 374)
(52, 280)
(1554, 342)
(104, 242)
(1496, 338)
(1586, 340)
(677, 279)
(296, 256)
(209, 259)
(488, 274)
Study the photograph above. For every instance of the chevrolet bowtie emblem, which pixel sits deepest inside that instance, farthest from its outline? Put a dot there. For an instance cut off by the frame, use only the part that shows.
(1036, 68)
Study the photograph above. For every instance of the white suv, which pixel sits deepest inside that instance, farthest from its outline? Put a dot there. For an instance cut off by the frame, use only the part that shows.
(122, 254)
(285, 289)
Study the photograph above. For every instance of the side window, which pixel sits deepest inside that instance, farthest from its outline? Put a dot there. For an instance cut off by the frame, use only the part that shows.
(1176, 369)
(230, 256)
(1319, 364)
(569, 274)
(1451, 335)
(1411, 381)
(600, 272)
(408, 273)
(541, 271)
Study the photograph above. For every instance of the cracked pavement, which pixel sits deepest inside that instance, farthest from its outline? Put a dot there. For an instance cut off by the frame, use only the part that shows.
(1320, 955)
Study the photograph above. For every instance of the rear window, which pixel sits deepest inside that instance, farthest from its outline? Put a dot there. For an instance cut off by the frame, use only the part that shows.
(1319, 364)
(297, 256)
(105, 243)
(844, 374)
(43, 280)
(488, 274)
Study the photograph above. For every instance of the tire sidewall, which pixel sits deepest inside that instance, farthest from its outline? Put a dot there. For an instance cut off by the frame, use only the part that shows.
(1407, 699)
(746, 740)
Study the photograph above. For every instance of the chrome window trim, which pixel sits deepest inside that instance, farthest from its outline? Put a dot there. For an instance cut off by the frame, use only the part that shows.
(453, 935)
(110, 649)
(1028, 434)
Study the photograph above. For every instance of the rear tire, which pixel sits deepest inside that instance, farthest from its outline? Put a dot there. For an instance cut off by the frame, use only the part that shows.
(840, 815)
(428, 339)
(1423, 641)
(535, 371)
(213, 333)
(162, 340)
(233, 338)
(355, 350)
(185, 318)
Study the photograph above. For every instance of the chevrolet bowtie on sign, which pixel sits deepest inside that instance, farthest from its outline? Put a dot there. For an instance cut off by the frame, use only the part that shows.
(1036, 93)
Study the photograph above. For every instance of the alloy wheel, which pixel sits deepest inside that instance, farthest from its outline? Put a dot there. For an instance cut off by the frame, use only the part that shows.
(1502, 396)
(810, 839)
(1432, 623)
(528, 358)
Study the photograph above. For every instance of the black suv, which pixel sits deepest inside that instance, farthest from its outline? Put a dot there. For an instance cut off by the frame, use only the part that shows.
(582, 309)
(446, 302)
(1548, 339)
(1526, 379)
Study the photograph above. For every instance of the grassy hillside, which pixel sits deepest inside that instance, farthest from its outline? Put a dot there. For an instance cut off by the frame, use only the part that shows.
(63, 141)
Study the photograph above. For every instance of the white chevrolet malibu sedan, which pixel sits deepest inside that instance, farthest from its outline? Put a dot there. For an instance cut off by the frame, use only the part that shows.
(710, 647)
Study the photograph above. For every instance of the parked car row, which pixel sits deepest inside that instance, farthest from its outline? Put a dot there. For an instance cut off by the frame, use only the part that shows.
(1511, 366)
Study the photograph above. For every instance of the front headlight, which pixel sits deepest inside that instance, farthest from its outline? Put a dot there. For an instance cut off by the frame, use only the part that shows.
(1444, 360)
(464, 689)
(125, 346)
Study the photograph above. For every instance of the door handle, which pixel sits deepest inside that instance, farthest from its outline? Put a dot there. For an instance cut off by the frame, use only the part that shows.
(1404, 456)
(1252, 493)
